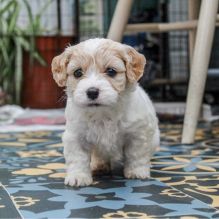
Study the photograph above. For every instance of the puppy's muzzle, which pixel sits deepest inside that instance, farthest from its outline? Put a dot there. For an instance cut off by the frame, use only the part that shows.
(92, 93)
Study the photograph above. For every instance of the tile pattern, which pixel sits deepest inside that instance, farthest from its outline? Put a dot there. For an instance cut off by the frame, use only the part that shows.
(7, 206)
(184, 182)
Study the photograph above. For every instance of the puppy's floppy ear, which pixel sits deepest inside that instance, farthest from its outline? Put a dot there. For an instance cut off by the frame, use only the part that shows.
(59, 68)
(135, 63)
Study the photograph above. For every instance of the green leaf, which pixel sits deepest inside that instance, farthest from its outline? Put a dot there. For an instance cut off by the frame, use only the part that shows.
(7, 6)
(24, 43)
(18, 71)
(3, 26)
(13, 19)
(4, 51)
(39, 58)
(30, 17)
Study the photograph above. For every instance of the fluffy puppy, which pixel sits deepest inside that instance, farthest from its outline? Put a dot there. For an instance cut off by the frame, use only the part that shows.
(109, 118)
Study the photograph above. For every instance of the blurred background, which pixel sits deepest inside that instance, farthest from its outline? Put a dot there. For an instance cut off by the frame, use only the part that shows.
(34, 31)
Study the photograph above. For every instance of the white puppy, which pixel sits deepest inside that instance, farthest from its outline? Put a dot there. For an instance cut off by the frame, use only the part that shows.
(109, 118)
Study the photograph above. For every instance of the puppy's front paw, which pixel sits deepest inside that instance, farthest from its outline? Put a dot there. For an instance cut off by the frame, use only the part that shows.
(137, 173)
(78, 179)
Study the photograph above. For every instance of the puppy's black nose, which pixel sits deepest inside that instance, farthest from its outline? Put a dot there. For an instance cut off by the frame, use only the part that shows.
(92, 93)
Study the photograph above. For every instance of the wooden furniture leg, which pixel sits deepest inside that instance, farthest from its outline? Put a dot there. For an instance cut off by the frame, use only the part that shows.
(199, 68)
(193, 11)
(119, 20)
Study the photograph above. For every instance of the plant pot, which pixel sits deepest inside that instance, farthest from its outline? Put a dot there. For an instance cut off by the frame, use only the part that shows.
(39, 90)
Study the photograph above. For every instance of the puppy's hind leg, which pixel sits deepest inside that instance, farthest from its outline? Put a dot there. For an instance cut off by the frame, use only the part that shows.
(98, 165)
(137, 158)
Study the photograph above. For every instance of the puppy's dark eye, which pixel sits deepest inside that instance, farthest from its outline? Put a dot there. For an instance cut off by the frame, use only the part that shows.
(78, 73)
(111, 72)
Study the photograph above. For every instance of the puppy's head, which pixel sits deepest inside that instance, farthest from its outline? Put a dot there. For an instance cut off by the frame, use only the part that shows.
(97, 71)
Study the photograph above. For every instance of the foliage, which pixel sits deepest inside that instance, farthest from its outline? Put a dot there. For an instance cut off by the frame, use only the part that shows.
(13, 40)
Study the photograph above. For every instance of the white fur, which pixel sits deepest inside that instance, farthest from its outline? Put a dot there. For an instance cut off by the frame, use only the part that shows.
(124, 129)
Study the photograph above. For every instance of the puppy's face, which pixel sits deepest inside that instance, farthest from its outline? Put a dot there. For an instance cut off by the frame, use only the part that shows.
(96, 71)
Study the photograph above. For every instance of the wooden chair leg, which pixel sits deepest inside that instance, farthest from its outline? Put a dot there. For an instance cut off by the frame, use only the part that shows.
(201, 57)
(193, 12)
(119, 20)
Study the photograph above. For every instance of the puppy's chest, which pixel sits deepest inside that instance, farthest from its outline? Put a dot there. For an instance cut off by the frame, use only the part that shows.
(102, 133)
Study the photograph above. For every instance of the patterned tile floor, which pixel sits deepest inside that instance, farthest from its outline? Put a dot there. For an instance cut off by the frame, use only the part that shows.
(184, 182)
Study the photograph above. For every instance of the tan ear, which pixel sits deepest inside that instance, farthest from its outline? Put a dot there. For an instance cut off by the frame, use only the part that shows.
(135, 63)
(59, 69)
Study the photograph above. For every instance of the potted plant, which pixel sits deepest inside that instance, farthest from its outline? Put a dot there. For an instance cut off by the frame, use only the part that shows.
(39, 89)
(12, 44)
(32, 73)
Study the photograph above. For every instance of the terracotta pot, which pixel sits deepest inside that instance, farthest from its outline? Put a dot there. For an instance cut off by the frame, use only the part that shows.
(39, 90)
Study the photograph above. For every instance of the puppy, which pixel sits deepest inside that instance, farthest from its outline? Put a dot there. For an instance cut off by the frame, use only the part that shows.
(109, 118)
